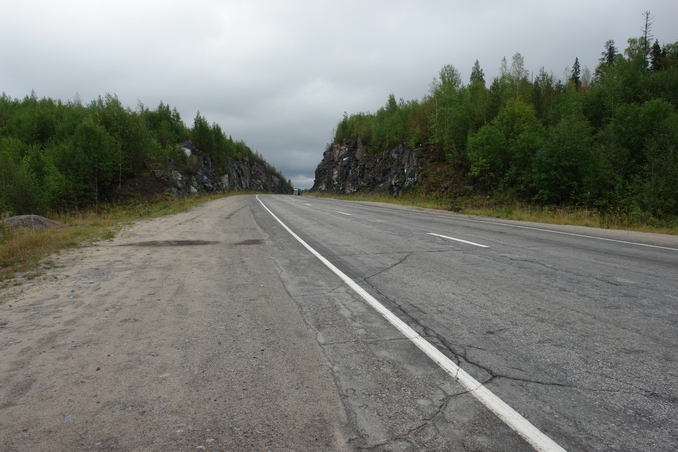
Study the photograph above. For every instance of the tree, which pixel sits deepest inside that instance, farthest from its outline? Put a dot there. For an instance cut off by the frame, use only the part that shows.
(93, 160)
(646, 30)
(501, 152)
(543, 95)
(659, 193)
(477, 74)
(478, 98)
(18, 194)
(451, 122)
(656, 56)
(609, 54)
(503, 69)
(201, 134)
(575, 76)
(518, 71)
(566, 169)
(166, 124)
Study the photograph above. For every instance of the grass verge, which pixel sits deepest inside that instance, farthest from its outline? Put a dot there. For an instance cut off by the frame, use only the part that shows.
(24, 251)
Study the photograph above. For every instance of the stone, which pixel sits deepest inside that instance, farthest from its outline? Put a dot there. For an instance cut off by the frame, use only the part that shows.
(31, 222)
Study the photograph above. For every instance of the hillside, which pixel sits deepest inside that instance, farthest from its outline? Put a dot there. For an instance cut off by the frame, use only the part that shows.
(606, 140)
(57, 156)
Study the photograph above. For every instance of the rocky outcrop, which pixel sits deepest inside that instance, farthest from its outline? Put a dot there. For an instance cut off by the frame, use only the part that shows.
(253, 175)
(198, 175)
(346, 169)
(31, 222)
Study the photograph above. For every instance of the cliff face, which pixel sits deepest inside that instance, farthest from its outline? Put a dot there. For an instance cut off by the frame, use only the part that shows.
(346, 169)
(198, 175)
(253, 175)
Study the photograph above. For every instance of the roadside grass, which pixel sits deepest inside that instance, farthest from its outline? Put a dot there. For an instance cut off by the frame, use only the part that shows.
(24, 251)
(512, 210)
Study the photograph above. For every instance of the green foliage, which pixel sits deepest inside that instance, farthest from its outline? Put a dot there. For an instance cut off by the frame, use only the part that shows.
(56, 156)
(201, 134)
(606, 142)
(566, 169)
(659, 193)
(451, 120)
(501, 153)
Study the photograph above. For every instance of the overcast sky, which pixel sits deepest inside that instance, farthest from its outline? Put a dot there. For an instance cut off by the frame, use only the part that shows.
(280, 74)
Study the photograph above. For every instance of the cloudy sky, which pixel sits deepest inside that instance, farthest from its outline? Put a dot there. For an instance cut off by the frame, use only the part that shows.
(280, 74)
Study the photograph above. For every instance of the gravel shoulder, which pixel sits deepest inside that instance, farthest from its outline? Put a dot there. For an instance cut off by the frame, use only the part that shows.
(176, 335)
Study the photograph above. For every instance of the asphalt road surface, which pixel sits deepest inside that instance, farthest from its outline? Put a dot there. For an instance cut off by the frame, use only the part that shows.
(574, 328)
(218, 329)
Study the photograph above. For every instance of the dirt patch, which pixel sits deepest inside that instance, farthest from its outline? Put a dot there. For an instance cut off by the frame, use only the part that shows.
(164, 340)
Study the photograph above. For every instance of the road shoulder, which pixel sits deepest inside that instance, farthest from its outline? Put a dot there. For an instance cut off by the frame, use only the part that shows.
(178, 334)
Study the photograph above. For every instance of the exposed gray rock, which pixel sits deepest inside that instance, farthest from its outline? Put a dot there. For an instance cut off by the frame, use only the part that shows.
(32, 222)
(198, 175)
(346, 169)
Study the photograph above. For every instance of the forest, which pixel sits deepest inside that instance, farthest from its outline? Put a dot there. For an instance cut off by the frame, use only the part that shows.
(57, 156)
(606, 140)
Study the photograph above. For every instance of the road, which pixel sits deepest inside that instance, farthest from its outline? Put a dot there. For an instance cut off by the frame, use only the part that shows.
(574, 328)
(217, 329)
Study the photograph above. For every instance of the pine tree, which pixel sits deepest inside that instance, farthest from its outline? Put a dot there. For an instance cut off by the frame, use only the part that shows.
(656, 57)
(576, 73)
(609, 53)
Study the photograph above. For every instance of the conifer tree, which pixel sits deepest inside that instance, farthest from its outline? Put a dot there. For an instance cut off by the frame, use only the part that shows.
(575, 77)
(656, 57)
(609, 53)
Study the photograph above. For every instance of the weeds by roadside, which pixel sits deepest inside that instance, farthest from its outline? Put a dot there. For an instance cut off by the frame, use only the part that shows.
(511, 210)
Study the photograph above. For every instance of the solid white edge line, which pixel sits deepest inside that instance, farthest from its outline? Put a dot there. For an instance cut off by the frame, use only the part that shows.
(501, 409)
(458, 240)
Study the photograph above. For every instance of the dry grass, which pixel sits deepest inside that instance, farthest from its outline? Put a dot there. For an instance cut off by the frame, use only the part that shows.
(512, 210)
(577, 216)
(428, 202)
(24, 251)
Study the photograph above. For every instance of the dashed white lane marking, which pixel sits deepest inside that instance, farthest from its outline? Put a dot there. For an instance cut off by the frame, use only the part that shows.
(309, 205)
(511, 417)
(458, 240)
(605, 239)
(344, 213)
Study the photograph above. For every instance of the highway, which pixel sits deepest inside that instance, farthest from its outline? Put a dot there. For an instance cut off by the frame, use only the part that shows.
(575, 329)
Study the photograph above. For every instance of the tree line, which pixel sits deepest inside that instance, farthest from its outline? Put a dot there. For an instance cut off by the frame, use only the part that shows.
(606, 140)
(56, 156)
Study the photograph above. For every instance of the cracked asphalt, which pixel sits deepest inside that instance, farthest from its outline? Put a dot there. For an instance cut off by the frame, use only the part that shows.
(575, 328)
(215, 329)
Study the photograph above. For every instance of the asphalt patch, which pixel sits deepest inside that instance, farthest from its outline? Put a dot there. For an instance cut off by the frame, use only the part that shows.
(155, 243)
(250, 242)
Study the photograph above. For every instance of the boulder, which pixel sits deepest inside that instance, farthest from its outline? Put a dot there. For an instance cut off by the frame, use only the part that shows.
(31, 222)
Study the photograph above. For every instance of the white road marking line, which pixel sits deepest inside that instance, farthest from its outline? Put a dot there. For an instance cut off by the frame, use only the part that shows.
(344, 213)
(511, 417)
(458, 240)
(573, 234)
(309, 205)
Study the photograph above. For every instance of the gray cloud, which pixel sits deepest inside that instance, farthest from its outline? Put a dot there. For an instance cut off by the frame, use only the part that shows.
(279, 75)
